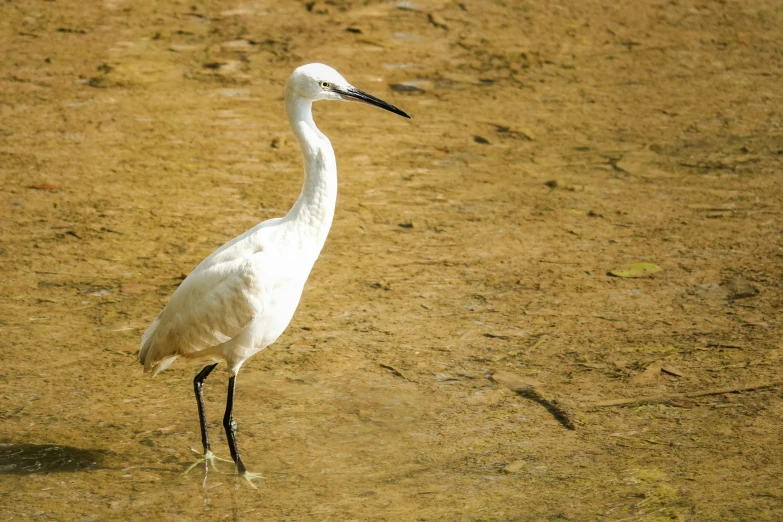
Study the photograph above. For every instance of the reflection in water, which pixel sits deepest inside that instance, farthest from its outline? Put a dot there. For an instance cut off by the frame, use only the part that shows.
(27, 459)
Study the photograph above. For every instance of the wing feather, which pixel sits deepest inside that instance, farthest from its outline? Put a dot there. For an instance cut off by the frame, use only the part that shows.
(213, 304)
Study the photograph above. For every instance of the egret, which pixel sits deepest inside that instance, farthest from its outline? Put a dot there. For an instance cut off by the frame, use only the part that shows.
(239, 299)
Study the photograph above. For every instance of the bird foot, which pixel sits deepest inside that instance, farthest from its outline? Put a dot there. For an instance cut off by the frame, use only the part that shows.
(250, 477)
(208, 458)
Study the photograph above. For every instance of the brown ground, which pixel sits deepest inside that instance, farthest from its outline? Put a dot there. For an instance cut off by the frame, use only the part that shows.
(148, 130)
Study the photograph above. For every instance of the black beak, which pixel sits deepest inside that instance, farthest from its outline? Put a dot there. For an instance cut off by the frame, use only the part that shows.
(354, 94)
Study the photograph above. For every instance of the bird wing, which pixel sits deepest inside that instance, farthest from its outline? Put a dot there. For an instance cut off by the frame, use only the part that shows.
(214, 304)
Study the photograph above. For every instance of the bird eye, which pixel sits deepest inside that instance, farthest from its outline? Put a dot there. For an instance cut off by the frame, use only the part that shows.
(325, 85)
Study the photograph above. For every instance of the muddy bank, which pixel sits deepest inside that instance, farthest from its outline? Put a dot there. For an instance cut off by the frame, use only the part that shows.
(550, 145)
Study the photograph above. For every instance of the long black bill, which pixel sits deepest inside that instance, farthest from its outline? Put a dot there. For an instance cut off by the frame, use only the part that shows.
(354, 94)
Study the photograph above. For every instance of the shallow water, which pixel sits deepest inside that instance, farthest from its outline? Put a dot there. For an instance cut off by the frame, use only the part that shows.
(550, 144)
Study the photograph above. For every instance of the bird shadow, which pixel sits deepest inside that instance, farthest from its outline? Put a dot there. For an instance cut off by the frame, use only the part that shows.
(31, 459)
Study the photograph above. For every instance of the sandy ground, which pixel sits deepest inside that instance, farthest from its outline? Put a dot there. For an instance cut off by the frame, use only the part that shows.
(551, 143)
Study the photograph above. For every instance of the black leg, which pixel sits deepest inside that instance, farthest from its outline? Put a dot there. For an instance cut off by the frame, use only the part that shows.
(198, 387)
(231, 426)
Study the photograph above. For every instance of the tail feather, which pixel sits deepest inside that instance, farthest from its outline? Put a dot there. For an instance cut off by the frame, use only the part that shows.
(148, 354)
(162, 365)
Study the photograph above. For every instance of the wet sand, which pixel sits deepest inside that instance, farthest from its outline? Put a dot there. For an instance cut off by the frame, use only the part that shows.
(550, 144)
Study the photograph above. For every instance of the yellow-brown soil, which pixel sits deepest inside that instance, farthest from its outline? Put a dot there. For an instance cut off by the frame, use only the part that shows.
(550, 143)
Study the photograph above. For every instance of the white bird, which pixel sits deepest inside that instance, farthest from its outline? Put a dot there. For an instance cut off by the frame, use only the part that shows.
(241, 298)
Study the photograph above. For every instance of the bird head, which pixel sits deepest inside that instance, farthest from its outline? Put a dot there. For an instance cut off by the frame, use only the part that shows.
(316, 81)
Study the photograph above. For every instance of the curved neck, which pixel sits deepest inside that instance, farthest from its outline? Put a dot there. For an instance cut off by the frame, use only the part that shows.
(314, 210)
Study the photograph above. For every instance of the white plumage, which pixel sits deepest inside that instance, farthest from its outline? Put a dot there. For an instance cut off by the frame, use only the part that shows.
(241, 298)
